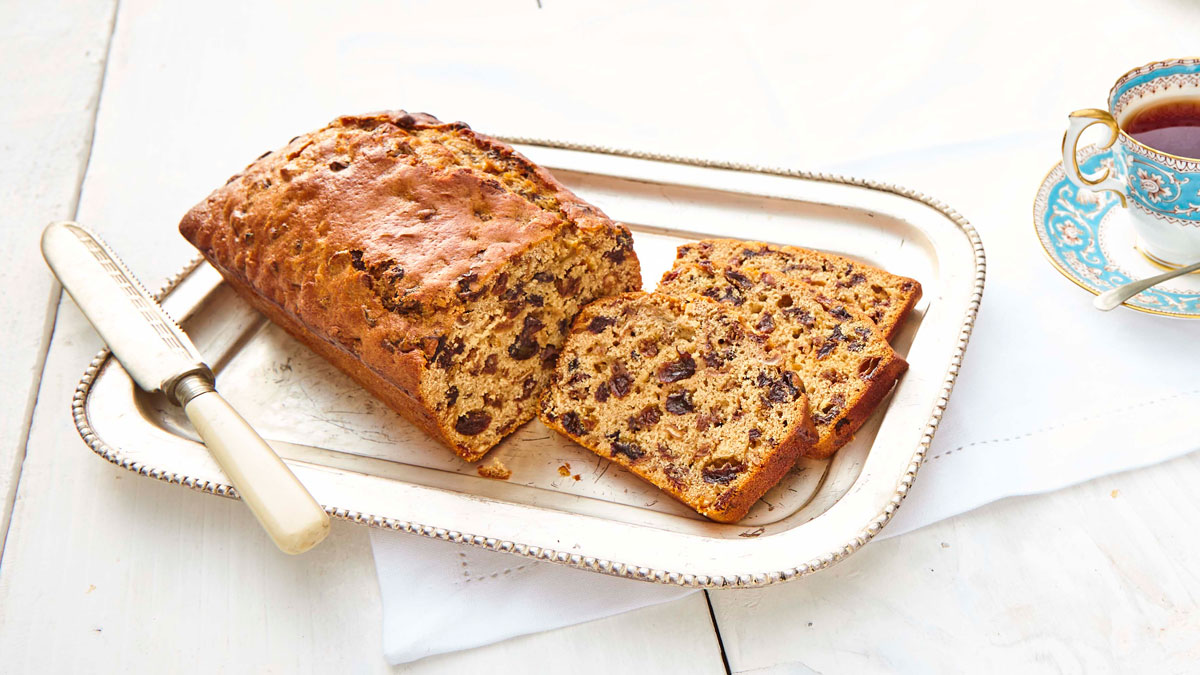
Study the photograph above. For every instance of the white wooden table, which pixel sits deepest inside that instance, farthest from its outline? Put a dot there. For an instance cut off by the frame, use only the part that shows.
(123, 116)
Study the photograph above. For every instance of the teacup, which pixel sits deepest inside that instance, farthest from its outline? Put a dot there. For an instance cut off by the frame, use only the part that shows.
(1152, 110)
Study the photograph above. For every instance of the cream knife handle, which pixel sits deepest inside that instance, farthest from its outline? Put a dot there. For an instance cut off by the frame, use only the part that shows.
(282, 505)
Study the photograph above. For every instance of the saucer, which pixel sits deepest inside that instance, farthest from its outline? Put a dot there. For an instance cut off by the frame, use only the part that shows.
(1089, 238)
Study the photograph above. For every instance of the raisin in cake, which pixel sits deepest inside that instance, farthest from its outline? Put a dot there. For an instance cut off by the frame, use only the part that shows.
(885, 298)
(439, 268)
(683, 395)
(846, 364)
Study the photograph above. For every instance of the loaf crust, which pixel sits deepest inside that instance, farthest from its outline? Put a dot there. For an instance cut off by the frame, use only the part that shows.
(683, 394)
(883, 297)
(407, 251)
(843, 358)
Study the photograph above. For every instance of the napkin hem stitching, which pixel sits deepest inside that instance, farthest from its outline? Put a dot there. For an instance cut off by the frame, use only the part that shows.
(1035, 432)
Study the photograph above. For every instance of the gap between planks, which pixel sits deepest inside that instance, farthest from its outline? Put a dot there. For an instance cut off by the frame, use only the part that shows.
(54, 296)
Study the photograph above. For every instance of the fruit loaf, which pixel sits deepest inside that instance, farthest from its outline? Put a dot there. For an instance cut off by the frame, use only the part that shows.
(436, 266)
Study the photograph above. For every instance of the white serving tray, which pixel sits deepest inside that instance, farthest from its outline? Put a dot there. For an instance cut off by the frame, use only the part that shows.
(366, 464)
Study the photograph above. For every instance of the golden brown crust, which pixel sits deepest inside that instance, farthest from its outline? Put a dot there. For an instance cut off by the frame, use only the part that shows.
(372, 238)
(736, 503)
(883, 297)
(713, 432)
(861, 410)
(396, 398)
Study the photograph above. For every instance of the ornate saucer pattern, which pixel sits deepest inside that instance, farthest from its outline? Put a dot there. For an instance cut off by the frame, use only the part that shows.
(1089, 239)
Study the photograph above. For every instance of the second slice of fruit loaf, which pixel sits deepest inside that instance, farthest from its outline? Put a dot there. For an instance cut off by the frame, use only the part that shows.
(843, 358)
(883, 297)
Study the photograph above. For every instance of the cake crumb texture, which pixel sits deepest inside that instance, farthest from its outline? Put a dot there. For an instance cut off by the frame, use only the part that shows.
(883, 297)
(680, 392)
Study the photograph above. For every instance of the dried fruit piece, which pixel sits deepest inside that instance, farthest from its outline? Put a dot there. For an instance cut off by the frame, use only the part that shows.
(723, 471)
(680, 403)
(621, 382)
(784, 389)
(649, 416)
(528, 388)
(738, 278)
(680, 369)
(473, 423)
(598, 324)
(631, 450)
(525, 345)
(572, 423)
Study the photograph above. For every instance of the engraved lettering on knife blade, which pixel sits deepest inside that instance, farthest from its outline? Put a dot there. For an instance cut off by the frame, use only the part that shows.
(144, 307)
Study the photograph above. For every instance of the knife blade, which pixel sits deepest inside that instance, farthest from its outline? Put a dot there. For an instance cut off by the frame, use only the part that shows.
(147, 342)
(158, 355)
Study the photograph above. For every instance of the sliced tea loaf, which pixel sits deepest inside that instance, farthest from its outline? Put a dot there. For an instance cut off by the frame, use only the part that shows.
(846, 364)
(681, 393)
(436, 266)
(884, 297)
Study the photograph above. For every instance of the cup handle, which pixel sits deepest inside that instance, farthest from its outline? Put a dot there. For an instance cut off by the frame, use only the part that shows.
(1080, 120)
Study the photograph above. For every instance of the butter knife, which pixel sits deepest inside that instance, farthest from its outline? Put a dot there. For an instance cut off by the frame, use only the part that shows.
(159, 356)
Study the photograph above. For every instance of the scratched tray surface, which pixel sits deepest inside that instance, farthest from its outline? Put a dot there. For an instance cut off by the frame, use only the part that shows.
(563, 503)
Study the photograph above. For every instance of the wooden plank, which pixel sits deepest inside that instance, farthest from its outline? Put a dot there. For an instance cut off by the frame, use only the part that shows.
(157, 577)
(197, 90)
(676, 637)
(1078, 580)
(1096, 578)
(51, 62)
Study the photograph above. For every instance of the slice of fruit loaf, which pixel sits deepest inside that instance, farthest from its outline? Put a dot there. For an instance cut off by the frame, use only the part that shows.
(681, 393)
(846, 364)
(883, 297)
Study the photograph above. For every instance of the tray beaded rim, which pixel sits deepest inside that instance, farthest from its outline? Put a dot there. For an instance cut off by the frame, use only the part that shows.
(614, 568)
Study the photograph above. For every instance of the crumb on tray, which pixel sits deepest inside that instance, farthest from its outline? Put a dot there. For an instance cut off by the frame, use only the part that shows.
(495, 469)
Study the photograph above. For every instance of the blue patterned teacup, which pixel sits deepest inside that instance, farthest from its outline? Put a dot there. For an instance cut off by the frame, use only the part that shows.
(1163, 190)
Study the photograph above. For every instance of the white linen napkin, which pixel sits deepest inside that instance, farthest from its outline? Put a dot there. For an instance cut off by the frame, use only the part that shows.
(440, 597)
(1052, 393)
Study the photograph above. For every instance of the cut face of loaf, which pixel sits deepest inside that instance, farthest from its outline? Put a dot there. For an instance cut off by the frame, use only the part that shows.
(883, 297)
(437, 267)
(682, 394)
(846, 364)
(488, 371)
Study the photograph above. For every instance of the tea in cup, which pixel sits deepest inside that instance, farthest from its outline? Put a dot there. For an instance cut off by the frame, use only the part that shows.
(1153, 119)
